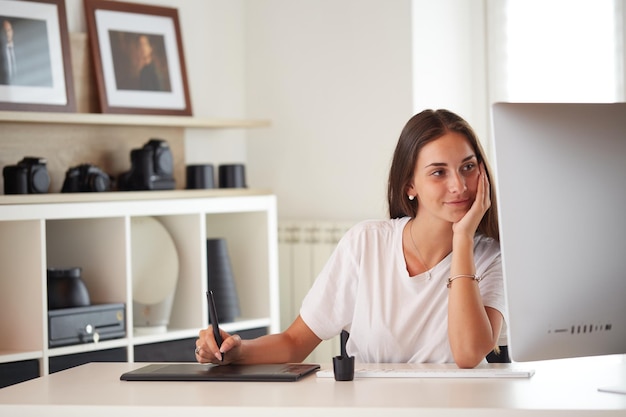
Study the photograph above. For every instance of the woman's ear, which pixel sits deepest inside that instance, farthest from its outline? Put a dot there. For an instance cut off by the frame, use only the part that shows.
(411, 193)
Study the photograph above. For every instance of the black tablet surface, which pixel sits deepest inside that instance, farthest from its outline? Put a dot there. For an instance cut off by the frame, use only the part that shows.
(206, 372)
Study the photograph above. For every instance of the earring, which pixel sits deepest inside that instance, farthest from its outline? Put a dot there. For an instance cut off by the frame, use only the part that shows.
(411, 197)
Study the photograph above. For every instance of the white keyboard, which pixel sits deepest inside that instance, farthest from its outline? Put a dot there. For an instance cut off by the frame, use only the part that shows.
(433, 371)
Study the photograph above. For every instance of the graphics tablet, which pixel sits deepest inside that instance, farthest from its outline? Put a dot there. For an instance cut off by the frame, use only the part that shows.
(207, 372)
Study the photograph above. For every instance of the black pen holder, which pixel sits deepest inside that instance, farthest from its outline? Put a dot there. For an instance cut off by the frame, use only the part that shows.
(343, 366)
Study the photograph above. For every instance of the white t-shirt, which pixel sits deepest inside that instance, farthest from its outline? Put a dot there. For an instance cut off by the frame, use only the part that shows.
(365, 288)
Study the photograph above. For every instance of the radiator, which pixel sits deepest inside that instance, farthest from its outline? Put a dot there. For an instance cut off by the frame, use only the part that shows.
(303, 249)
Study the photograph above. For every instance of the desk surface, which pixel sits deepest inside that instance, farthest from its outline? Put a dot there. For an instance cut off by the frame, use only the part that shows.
(563, 388)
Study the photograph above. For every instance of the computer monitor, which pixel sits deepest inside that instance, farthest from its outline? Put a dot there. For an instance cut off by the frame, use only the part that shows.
(560, 174)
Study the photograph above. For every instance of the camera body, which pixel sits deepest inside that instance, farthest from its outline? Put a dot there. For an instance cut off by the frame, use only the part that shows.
(152, 168)
(86, 178)
(29, 176)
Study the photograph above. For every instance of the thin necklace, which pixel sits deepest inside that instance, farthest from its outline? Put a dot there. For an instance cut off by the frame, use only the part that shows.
(419, 255)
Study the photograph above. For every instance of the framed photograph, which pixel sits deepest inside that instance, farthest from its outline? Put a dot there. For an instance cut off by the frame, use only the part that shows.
(138, 58)
(35, 61)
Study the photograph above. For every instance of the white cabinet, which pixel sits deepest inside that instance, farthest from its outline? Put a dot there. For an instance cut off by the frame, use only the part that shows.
(92, 230)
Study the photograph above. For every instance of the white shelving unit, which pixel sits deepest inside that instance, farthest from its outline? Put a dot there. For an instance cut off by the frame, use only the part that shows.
(92, 230)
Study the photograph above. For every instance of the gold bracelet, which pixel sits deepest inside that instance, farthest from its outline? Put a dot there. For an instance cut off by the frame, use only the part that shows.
(474, 277)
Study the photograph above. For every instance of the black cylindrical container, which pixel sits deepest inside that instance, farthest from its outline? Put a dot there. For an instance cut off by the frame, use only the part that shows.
(232, 176)
(200, 176)
(221, 280)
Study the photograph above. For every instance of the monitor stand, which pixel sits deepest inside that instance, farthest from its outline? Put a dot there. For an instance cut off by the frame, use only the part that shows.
(617, 386)
(615, 389)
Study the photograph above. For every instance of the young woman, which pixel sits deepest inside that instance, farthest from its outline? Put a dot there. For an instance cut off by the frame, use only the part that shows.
(423, 286)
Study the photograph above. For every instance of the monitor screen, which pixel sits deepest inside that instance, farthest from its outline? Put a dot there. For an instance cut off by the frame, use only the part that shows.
(560, 175)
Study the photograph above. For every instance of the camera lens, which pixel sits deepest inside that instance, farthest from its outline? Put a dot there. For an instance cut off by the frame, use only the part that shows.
(98, 182)
(163, 163)
(40, 180)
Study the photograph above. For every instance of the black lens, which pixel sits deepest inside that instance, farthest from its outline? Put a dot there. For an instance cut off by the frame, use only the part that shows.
(15, 179)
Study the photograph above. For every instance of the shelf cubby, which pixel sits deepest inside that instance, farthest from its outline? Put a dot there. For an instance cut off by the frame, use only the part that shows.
(93, 232)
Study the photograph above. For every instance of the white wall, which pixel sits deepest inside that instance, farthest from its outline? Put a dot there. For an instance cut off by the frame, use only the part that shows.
(449, 57)
(335, 78)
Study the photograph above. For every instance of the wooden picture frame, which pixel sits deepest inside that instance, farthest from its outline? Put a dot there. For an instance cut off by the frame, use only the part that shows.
(138, 58)
(35, 61)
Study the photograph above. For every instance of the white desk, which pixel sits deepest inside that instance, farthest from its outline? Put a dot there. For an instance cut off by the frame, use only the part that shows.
(558, 388)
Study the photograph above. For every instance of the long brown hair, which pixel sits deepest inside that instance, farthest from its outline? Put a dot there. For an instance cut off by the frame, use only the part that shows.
(421, 129)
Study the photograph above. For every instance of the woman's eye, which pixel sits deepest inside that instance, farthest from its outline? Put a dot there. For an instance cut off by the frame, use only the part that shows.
(469, 167)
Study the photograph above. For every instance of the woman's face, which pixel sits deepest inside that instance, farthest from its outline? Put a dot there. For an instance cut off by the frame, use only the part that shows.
(145, 48)
(446, 177)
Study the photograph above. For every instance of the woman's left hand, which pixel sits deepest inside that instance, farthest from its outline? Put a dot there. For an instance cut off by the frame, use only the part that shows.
(469, 223)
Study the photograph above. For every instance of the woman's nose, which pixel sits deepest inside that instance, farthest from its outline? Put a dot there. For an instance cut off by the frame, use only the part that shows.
(457, 183)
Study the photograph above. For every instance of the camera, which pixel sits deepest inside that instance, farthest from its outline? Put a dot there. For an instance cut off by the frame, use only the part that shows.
(29, 176)
(152, 168)
(86, 178)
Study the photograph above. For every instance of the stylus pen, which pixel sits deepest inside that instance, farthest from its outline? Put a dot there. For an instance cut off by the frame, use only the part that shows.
(214, 321)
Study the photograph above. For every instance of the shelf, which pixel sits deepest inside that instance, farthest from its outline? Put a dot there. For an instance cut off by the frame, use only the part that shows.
(129, 120)
(87, 347)
(58, 198)
(171, 334)
(16, 356)
(239, 325)
(121, 204)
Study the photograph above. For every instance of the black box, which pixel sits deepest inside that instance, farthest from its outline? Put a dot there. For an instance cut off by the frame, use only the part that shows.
(71, 326)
